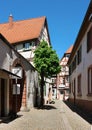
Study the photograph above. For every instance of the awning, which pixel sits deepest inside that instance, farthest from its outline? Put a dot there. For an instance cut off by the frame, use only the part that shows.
(12, 76)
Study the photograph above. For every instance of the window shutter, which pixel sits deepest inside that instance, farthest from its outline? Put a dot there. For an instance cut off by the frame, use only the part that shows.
(89, 40)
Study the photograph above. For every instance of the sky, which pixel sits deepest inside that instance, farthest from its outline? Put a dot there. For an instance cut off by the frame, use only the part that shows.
(64, 18)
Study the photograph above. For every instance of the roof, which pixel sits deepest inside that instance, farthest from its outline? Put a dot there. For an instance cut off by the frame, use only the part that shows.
(69, 50)
(83, 29)
(22, 30)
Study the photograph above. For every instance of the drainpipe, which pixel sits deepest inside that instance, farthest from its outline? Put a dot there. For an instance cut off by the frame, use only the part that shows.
(16, 98)
(56, 86)
(74, 92)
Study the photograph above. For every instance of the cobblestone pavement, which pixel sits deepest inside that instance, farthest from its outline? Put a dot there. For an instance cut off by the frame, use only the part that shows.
(55, 117)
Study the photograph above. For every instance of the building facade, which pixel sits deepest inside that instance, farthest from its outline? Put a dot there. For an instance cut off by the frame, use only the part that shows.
(63, 76)
(18, 81)
(25, 36)
(80, 65)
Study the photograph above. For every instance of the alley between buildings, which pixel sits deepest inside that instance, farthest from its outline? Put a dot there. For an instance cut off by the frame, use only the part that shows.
(56, 116)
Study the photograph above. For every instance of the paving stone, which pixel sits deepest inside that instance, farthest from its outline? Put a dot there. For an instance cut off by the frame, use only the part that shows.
(56, 116)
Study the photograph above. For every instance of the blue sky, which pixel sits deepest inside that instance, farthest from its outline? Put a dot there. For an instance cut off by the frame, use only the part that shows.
(64, 17)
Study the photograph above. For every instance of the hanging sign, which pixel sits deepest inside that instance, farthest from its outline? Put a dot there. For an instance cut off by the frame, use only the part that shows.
(17, 71)
(16, 89)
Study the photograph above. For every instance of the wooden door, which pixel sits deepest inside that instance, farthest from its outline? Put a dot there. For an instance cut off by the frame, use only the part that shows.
(2, 97)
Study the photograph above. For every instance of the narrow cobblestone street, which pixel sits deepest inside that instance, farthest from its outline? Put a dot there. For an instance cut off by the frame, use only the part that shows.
(56, 116)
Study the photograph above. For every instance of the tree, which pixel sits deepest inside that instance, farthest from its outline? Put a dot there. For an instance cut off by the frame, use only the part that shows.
(46, 62)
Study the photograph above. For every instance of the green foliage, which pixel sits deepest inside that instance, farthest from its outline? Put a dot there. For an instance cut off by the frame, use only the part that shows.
(46, 60)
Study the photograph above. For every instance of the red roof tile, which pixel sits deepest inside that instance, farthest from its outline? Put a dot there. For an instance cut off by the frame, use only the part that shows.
(22, 30)
(69, 50)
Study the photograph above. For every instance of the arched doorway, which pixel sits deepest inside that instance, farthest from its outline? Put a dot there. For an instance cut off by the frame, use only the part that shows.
(19, 87)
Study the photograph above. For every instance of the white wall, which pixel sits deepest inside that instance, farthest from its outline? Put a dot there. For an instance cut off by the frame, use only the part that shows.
(27, 54)
(7, 57)
(82, 69)
(44, 35)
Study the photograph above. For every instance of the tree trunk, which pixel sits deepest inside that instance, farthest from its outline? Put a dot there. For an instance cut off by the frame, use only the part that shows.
(42, 89)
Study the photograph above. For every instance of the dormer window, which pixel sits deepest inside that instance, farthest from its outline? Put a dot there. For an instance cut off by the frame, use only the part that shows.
(27, 45)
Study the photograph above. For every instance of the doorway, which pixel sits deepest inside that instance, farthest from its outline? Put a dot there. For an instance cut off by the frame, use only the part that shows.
(2, 97)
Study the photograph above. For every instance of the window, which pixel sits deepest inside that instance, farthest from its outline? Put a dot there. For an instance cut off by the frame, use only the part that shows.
(33, 44)
(79, 55)
(67, 78)
(63, 80)
(26, 46)
(70, 69)
(70, 87)
(74, 63)
(53, 80)
(90, 80)
(89, 40)
(73, 87)
(79, 85)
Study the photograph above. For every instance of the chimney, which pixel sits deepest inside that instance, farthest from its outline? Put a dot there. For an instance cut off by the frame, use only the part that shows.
(10, 20)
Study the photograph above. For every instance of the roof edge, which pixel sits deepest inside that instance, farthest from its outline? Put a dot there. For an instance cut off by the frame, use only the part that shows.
(82, 31)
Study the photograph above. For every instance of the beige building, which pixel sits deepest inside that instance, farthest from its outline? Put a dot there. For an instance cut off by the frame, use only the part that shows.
(80, 65)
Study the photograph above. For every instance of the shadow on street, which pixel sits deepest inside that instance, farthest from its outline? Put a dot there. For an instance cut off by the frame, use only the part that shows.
(14, 117)
(47, 107)
(84, 115)
(10, 119)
